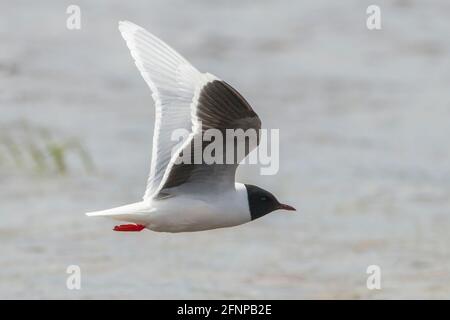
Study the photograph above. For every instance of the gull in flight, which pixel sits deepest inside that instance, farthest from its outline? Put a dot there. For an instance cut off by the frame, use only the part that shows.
(180, 196)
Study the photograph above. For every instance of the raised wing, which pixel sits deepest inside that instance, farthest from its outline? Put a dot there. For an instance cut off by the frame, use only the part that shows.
(173, 82)
(220, 107)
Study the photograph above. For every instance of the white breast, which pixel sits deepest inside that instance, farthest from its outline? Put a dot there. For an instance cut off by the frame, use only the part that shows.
(194, 212)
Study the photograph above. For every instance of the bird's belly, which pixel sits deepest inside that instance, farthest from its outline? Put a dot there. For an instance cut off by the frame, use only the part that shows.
(186, 215)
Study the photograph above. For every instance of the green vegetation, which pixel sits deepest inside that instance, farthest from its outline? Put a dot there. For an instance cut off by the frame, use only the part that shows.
(36, 149)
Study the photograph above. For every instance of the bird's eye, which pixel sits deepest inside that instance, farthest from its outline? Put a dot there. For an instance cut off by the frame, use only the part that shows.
(263, 198)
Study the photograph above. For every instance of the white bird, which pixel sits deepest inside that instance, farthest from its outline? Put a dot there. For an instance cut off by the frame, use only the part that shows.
(184, 197)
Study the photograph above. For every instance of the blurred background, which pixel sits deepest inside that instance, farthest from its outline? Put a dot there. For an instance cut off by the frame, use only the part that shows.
(364, 126)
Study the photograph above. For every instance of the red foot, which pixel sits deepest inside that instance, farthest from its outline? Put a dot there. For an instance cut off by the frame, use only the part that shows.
(129, 227)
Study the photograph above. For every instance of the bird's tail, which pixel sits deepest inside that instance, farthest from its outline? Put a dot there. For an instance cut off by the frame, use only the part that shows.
(135, 212)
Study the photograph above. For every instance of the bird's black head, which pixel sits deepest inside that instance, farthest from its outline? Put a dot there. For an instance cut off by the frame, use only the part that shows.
(262, 202)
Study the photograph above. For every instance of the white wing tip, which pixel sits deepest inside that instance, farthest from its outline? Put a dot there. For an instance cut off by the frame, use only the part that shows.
(127, 26)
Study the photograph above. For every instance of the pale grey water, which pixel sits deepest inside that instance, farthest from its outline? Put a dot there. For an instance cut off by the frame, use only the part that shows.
(364, 128)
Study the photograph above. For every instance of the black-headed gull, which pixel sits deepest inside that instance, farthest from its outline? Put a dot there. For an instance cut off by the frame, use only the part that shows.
(182, 197)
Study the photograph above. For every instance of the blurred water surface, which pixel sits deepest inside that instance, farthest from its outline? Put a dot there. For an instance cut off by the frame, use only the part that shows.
(364, 127)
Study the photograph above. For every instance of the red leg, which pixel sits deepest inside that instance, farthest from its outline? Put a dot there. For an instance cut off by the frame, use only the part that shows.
(129, 227)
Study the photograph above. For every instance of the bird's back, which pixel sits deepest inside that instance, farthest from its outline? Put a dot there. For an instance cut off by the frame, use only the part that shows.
(190, 211)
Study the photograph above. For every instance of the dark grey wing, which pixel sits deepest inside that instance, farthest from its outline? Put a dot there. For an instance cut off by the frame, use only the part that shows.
(220, 107)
